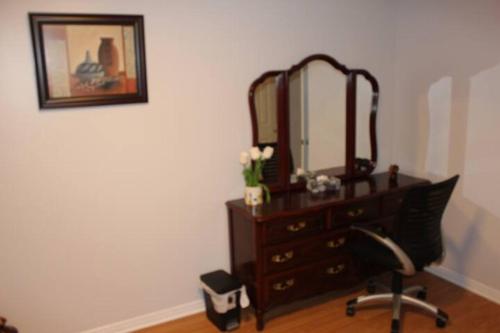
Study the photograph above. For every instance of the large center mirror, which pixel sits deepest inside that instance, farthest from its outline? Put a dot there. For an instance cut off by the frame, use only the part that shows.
(318, 116)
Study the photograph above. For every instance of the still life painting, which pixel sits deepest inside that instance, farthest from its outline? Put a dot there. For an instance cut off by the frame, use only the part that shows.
(85, 60)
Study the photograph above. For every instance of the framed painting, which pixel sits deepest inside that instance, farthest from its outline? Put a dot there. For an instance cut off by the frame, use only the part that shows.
(87, 60)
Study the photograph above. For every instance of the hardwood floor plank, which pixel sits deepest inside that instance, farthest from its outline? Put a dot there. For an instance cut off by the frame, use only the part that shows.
(469, 313)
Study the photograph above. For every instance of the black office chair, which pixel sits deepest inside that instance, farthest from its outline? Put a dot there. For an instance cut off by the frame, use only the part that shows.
(415, 243)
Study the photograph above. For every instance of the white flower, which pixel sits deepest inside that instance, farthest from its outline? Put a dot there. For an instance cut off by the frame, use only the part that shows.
(267, 153)
(300, 172)
(255, 153)
(322, 178)
(244, 158)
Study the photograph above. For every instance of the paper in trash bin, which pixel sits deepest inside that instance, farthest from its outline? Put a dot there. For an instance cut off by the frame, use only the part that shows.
(244, 301)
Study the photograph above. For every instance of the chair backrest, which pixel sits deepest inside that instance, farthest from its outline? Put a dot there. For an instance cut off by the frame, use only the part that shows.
(418, 228)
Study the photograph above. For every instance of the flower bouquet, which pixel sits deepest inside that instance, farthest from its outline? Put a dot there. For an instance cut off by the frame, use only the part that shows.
(253, 162)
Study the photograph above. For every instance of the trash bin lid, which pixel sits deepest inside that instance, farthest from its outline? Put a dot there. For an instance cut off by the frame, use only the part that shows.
(220, 281)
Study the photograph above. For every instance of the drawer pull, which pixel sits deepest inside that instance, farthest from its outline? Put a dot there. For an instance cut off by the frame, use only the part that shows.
(334, 244)
(335, 270)
(296, 226)
(281, 286)
(281, 258)
(356, 212)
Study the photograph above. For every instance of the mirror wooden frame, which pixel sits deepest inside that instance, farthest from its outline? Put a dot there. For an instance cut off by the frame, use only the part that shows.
(354, 167)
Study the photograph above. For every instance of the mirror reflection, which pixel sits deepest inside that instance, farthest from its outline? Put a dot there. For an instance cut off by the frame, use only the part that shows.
(266, 109)
(364, 95)
(317, 117)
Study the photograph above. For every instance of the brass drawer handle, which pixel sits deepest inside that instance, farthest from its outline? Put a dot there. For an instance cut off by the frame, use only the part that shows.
(356, 212)
(281, 258)
(334, 244)
(296, 226)
(335, 269)
(281, 286)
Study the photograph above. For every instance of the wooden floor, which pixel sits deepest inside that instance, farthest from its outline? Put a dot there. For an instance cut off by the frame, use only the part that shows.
(468, 313)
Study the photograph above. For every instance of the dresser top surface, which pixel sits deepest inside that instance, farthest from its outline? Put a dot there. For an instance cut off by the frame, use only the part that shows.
(296, 202)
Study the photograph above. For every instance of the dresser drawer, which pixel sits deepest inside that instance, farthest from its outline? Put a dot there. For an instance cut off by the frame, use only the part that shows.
(282, 230)
(335, 242)
(289, 255)
(355, 212)
(333, 273)
(336, 273)
(293, 254)
(288, 287)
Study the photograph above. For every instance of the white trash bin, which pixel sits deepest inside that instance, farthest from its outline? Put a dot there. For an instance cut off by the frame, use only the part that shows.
(224, 297)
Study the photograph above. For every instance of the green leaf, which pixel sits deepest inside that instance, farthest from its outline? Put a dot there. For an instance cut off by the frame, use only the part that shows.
(266, 192)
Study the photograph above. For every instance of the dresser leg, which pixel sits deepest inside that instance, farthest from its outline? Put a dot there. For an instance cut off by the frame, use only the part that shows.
(260, 320)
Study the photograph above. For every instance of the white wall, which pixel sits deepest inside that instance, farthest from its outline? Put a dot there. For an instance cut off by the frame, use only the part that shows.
(107, 213)
(446, 122)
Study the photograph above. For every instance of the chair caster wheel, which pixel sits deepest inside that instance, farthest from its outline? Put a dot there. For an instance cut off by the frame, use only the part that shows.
(441, 319)
(350, 311)
(395, 326)
(422, 295)
(440, 323)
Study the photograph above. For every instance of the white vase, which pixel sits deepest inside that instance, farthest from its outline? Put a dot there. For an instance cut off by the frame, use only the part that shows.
(253, 195)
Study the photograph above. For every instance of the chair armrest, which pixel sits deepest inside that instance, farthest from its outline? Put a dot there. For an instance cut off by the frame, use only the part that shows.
(408, 267)
(364, 227)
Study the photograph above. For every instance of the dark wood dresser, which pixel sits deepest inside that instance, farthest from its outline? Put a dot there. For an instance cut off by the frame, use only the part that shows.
(295, 246)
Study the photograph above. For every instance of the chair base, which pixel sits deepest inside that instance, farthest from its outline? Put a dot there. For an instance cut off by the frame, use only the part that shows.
(397, 299)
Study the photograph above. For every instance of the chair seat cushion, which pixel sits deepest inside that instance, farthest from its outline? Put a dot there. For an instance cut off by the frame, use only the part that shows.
(371, 251)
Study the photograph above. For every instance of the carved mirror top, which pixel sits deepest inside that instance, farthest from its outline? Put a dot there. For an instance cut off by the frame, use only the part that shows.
(320, 116)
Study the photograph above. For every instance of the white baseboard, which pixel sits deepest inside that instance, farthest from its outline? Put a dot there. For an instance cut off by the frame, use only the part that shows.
(151, 319)
(187, 309)
(466, 283)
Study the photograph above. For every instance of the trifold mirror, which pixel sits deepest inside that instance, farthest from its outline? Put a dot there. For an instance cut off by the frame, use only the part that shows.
(319, 116)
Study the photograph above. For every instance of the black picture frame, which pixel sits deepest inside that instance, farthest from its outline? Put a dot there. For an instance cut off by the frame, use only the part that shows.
(62, 84)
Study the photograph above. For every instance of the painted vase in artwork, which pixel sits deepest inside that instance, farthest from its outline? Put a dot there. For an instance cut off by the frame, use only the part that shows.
(88, 71)
(108, 56)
